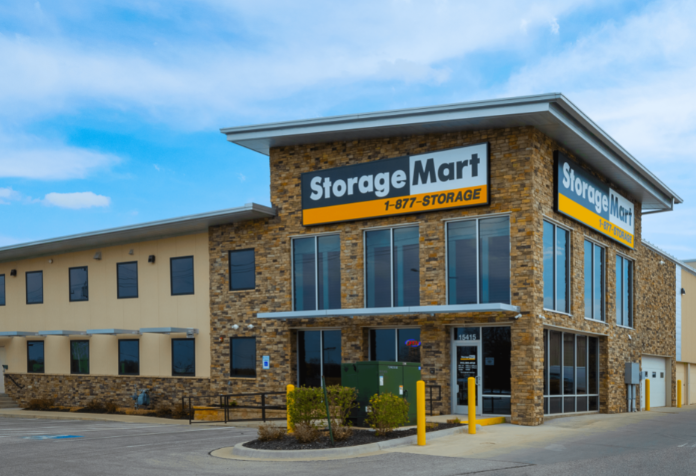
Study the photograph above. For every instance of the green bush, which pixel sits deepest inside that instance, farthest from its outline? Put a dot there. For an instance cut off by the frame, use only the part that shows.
(306, 406)
(111, 407)
(387, 412)
(95, 406)
(40, 404)
(342, 400)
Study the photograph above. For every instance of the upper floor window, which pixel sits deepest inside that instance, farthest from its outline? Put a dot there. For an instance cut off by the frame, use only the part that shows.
(34, 281)
(79, 357)
(242, 270)
(556, 268)
(243, 357)
(2, 289)
(79, 290)
(392, 267)
(182, 275)
(478, 261)
(594, 281)
(127, 280)
(35, 357)
(395, 345)
(624, 291)
(183, 357)
(316, 273)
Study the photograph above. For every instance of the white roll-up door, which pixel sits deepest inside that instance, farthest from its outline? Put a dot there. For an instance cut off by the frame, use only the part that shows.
(655, 369)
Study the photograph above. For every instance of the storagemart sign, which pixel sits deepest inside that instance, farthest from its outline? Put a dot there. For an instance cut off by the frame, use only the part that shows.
(585, 198)
(450, 178)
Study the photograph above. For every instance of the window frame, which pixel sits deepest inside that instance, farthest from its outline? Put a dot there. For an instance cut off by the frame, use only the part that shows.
(26, 286)
(4, 290)
(569, 274)
(633, 291)
(256, 373)
(321, 331)
(391, 258)
(88, 357)
(118, 356)
(604, 279)
(229, 269)
(43, 347)
(171, 276)
(396, 340)
(193, 341)
(70, 297)
(316, 266)
(478, 255)
(137, 281)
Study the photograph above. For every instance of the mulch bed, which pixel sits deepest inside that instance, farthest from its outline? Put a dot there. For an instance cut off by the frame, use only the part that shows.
(359, 437)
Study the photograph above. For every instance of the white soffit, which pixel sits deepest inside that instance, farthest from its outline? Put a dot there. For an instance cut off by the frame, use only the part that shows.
(110, 332)
(17, 334)
(552, 114)
(61, 333)
(168, 330)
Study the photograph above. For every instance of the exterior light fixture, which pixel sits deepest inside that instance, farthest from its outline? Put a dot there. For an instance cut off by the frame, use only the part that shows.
(235, 327)
(683, 291)
(13, 272)
(130, 252)
(50, 261)
(250, 326)
(97, 255)
(151, 259)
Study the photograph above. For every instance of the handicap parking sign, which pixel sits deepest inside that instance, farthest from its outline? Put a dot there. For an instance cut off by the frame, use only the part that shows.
(266, 362)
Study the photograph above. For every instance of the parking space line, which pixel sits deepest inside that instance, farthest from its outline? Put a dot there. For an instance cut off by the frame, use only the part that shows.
(148, 434)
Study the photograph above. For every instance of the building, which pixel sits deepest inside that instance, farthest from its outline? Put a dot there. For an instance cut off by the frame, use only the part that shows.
(496, 239)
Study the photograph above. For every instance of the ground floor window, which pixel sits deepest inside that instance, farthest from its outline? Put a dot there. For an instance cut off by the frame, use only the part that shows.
(129, 357)
(395, 345)
(79, 357)
(183, 357)
(571, 372)
(243, 357)
(35, 357)
(318, 354)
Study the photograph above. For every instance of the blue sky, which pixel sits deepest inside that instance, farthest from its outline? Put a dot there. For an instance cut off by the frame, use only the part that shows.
(110, 111)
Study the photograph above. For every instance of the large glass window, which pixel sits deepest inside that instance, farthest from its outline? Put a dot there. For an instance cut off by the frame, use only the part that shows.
(129, 357)
(79, 289)
(556, 268)
(478, 261)
(318, 354)
(79, 357)
(242, 270)
(392, 267)
(624, 291)
(35, 357)
(316, 265)
(243, 357)
(182, 275)
(594, 281)
(34, 281)
(571, 377)
(395, 345)
(2, 289)
(183, 357)
(127, 280)
(496, 351)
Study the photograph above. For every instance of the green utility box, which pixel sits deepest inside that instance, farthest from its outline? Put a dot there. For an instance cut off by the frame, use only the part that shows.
(370, 378)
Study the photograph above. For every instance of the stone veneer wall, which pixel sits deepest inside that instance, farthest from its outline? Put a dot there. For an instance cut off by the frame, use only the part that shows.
(78, 390)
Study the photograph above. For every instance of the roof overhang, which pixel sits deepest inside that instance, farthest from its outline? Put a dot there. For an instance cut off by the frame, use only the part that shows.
(110, 332)
(169, 330)
(62, 333)
(552, 114)
(388, 311)
(18, 334)
(135, 233)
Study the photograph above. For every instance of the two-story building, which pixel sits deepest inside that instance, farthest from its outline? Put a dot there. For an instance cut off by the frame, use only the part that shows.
(496, 239)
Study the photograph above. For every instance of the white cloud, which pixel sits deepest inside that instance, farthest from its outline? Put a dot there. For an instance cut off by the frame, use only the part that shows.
(76, 200)
(555, 27)
(8, 194)
(242, 177)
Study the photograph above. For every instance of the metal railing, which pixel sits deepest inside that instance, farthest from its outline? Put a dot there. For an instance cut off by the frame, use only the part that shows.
(14, 381)
(432, 401)
(244, 401)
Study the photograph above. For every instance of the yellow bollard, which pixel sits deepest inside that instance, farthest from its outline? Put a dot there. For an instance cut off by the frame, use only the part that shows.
(288, 389)
(679, 393)
(420, 411)
(647, 394)
(472, 406)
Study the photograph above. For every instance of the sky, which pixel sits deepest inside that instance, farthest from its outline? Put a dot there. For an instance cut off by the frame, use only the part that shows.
(110, 110)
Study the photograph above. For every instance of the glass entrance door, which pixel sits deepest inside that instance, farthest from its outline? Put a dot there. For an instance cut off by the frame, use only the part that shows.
(466, 363)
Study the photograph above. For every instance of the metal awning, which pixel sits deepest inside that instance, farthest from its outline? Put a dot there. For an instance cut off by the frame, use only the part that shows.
(17, 334)
(383, 311)
(110, 332)
(61, 333)
(168, 330)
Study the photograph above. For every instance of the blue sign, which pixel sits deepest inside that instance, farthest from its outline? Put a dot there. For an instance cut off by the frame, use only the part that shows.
(266, 362)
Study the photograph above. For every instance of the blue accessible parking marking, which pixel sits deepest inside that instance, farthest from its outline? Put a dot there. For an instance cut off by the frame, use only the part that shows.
(51, 437)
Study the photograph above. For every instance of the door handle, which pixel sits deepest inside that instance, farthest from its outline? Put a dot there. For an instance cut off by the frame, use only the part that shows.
(478, 380)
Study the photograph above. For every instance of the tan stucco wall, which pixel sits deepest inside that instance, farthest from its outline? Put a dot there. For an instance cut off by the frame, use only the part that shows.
(154, 306)
(688, 317)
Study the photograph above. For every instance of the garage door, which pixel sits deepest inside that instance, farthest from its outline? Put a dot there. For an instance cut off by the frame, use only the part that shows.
(655, 369)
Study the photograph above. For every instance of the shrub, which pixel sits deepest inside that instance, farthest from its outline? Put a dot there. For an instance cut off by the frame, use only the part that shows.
(306, 406)
(306, 433)
(95, 406)
(454, 421)
(341, 432)
(111, 407)
(163, 410)
(180, 412)
(388, 411)
(139, 411)
(40, 404)
(430, 426)
(342, 400)
(270, 432)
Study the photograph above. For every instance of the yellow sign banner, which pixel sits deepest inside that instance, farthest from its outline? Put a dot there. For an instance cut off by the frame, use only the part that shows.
(424, 202)
(594, 221)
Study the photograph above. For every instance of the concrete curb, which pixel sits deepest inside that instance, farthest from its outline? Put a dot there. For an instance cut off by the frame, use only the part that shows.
(351, 451)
